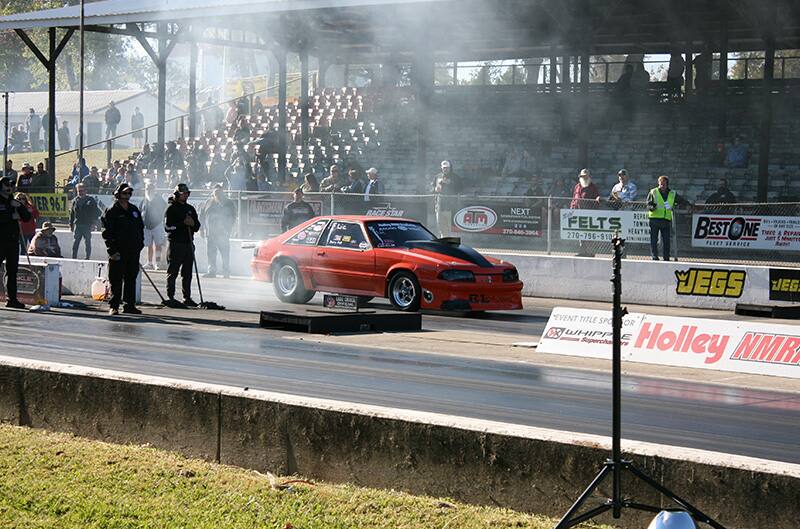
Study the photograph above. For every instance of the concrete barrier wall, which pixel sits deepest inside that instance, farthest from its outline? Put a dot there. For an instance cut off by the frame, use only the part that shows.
(643, 282)
(482, 462)
(78, 275)
(240, 257)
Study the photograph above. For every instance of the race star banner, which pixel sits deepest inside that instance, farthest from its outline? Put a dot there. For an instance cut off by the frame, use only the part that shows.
(600, 225)
(497, 217)
(738, 346)
(747, 231)
(51, 205)
(381, 206)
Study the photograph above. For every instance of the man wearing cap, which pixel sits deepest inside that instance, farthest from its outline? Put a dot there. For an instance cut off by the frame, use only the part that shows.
(153, 208)
(83, 215)
(219, 218)
(296, 212)
(624, 190)
(585, 195)
(123, 232)
(11, 212)
(45, 243)
(446, 186)
(181, 223)
(374, 186)
(25, 178)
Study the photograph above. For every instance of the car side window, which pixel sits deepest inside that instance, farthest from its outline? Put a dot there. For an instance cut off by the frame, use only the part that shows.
(346, 235)
(309, 236)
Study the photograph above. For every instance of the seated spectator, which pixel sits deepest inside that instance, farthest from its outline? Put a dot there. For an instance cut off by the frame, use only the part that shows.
(535, 187)
(517, 162)
(25, 178)
(722, 195)
(624, 190)
(310, 184)
(738, 154)
(41, 180)
(92, 182)
(354, 184)
(331, 183)
(45, 243)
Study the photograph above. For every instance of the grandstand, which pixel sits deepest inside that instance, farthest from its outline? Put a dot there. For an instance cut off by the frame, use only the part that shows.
(409, 117)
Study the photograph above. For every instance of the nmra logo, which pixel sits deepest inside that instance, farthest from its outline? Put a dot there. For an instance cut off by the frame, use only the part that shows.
(555, 333)
(710, 282)
(731, 228)
(475, 218)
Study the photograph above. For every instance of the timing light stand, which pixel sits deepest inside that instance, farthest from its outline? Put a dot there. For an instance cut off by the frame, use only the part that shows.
(616, 465)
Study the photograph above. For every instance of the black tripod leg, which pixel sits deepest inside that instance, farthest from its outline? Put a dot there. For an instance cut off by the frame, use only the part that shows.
(151, 282)
(694, 511)
(567, 520)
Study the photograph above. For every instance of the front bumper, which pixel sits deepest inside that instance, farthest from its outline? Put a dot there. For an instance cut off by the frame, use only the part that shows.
(462, 296)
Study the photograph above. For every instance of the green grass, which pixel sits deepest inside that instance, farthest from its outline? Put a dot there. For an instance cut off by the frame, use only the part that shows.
(54, 480)
(64, 163)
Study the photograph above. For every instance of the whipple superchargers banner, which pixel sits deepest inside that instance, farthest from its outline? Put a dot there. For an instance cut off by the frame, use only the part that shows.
(498, 217)
(739, 346)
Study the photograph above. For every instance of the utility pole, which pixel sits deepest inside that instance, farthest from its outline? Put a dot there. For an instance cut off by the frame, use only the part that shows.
(80, 97)
(5, 135)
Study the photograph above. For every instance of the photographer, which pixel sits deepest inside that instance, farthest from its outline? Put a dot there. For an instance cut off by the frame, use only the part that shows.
(181, 223)
(11, 212)
(123, 232)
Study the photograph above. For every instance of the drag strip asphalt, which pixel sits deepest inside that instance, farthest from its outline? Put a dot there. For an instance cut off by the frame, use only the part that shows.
(229, 348)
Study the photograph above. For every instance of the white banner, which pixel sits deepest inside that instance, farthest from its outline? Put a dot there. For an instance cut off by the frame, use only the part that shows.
(600, 225)
(746, 231)
(738, 346)
(584, 332)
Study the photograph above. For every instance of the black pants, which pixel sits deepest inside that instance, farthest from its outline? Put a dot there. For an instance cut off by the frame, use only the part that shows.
(122, 276)
(222, 244)
(9, 253)
(82, 231)
(661, 226)
(179, 257)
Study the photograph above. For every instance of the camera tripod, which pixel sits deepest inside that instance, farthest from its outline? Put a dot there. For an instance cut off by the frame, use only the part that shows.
(615, 466)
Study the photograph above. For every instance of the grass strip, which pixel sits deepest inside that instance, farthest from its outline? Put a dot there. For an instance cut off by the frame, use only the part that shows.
(56, 480)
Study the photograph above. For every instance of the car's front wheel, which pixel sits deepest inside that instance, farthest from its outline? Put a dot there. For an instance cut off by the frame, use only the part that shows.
(288, 284)
(405, 292)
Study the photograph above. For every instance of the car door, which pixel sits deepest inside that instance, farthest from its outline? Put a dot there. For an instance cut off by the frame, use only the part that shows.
(345, 261)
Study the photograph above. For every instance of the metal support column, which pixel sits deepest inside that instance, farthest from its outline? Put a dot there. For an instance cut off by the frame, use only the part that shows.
(423, 76)
(766, 116)
(281, 57)
(162, 97)
(304, 96)
(192, 90)
(583, 131)
(722, 123)
(553, 72)
(52, 121)
(689, 78)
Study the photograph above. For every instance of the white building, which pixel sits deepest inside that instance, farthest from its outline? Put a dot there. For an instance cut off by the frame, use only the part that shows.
(96, 103)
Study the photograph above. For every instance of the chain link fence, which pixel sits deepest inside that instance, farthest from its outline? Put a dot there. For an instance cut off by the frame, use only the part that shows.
(747, 233)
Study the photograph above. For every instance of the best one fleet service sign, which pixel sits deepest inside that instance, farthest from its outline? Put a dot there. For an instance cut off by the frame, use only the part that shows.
(739, 346)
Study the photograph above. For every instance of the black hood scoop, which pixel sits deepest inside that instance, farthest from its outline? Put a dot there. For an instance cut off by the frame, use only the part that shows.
(457, 251)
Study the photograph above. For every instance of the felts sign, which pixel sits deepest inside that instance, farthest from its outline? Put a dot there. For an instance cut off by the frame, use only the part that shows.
(784, 284)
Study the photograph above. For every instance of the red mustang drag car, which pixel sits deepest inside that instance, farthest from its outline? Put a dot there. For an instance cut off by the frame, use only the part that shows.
(384, 257)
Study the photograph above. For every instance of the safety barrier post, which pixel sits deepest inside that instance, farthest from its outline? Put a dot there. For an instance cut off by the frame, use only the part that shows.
(674, 236)
(549, 222)
(332, 210)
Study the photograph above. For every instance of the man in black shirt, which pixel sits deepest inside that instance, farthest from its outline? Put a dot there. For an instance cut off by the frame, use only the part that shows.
(82, 220)
(722, 195)
(123, 232)
(181, 223)
(296, 212)
(11, 212)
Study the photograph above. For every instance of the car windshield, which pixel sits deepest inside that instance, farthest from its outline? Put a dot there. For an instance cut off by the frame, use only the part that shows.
(391, 234)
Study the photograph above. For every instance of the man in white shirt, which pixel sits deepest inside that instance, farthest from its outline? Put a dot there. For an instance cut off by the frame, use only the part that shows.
(624, 190)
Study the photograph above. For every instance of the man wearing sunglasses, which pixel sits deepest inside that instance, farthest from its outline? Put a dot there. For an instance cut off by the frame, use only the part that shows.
(11, 212)
(123, 232)
(180, 223)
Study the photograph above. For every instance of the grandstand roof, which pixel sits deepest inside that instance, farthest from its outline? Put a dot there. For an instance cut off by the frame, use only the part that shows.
(457, 29)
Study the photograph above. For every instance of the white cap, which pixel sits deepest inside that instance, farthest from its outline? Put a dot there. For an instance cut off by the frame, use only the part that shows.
(372, 170)
(445, 163)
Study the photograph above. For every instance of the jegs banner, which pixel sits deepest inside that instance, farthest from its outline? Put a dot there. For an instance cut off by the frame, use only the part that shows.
(600, 225)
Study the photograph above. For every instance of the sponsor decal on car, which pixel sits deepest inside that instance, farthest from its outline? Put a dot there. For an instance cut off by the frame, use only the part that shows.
(715, 282)
(475, 219)
(784, 284)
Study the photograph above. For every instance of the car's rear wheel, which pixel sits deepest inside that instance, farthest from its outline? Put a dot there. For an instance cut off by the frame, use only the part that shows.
(405, 292)
(288, 284)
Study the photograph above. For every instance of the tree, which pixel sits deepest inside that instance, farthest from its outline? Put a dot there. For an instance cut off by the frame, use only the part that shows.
(750, 64)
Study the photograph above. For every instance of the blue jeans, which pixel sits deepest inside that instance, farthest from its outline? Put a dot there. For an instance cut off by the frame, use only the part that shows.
(661, 226)
(82, 231)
